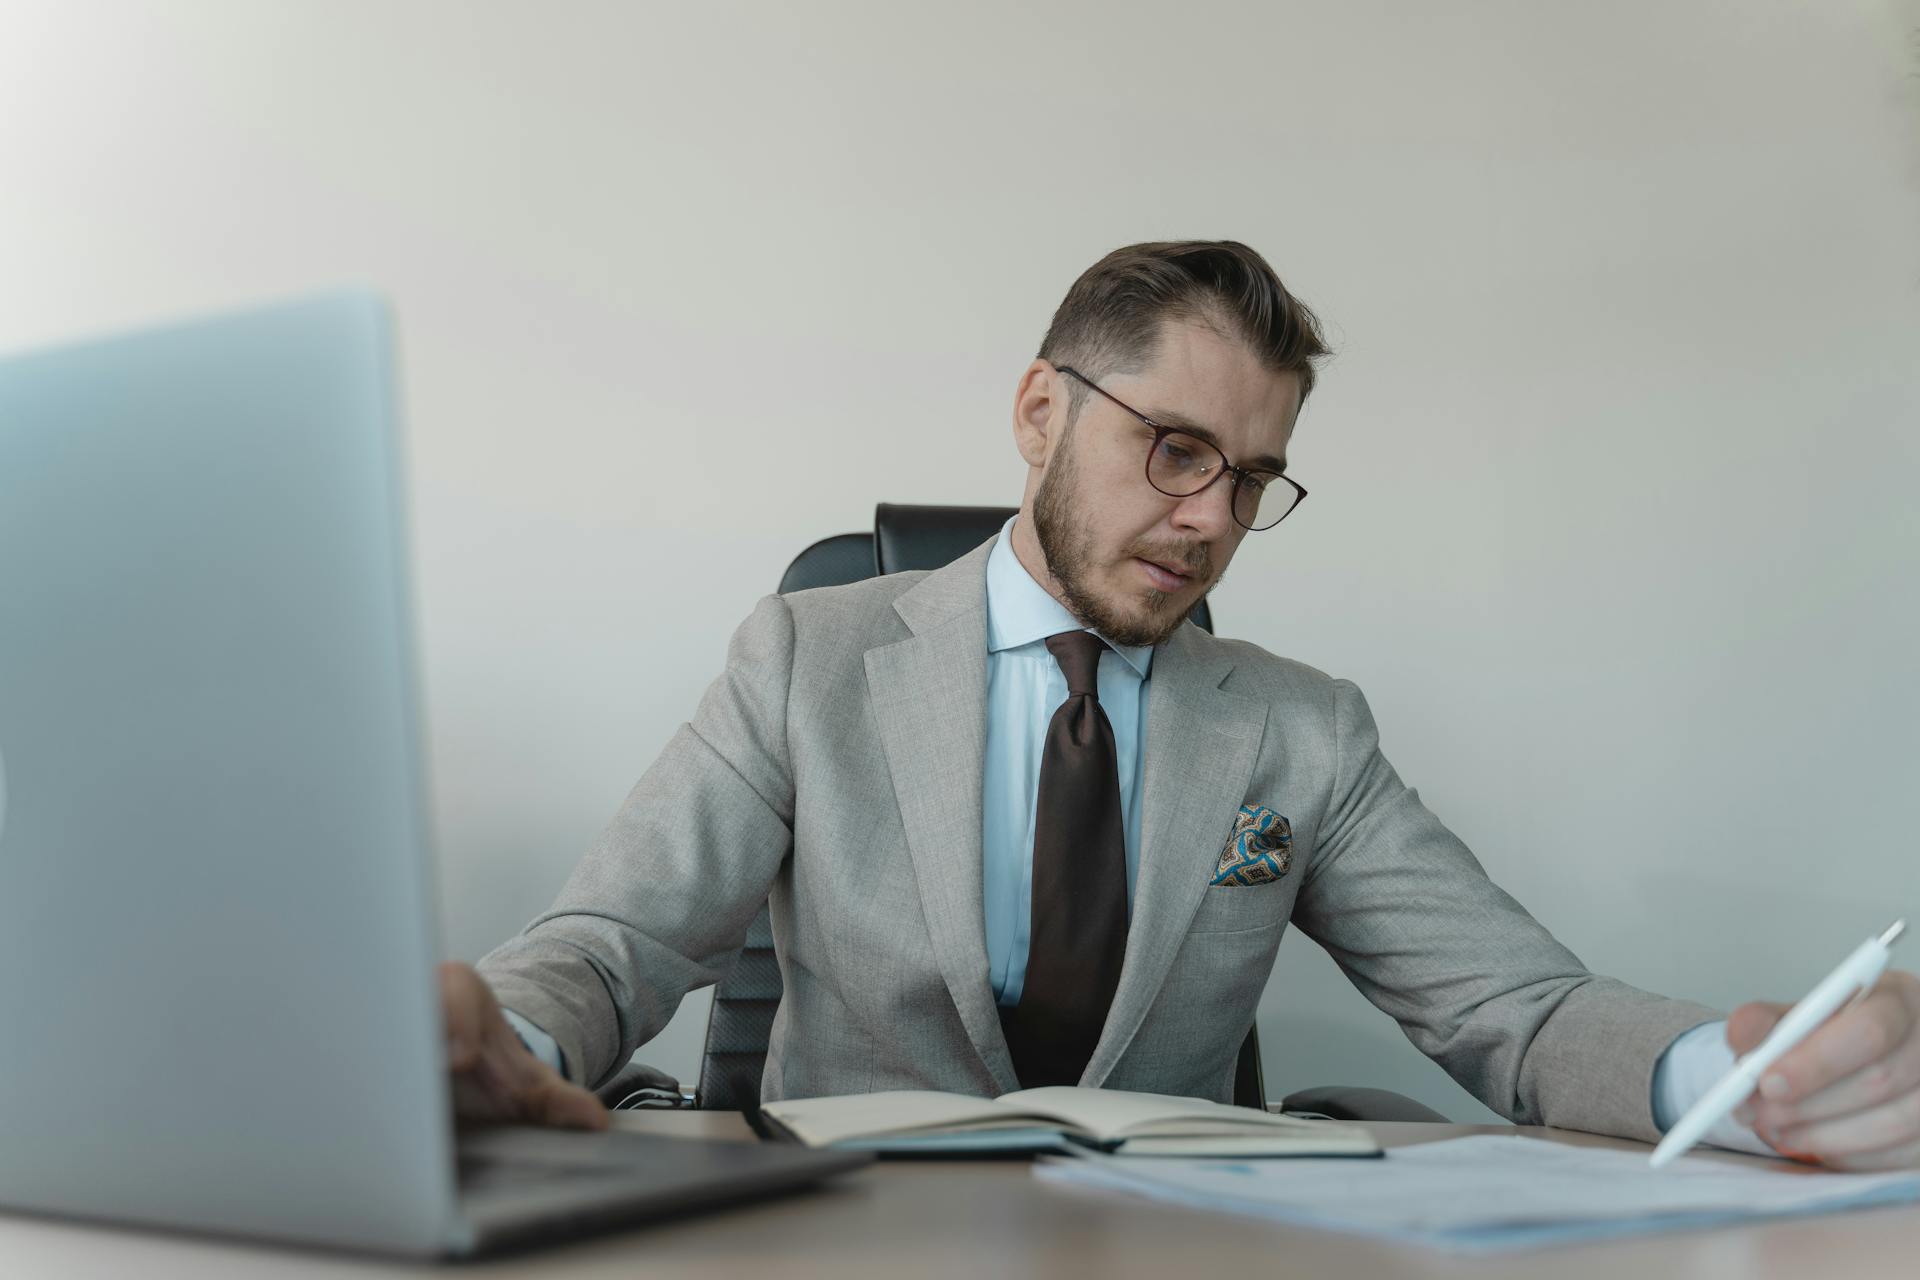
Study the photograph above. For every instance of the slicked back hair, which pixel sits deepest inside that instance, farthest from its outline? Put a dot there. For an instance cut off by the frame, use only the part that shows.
(1111, 318)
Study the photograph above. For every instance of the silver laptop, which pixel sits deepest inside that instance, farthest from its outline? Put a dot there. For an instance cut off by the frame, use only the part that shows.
(217, 942)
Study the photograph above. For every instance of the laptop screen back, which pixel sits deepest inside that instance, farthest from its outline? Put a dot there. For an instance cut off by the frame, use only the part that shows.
(217, 1005)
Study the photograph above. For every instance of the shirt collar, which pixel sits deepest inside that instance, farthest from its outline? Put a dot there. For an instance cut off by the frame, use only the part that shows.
(1019, 610)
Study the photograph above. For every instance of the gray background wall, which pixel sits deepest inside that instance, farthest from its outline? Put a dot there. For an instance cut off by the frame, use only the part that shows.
(1613, 478)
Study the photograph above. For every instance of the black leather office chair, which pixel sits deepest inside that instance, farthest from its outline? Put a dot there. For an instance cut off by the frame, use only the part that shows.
(744, 1001)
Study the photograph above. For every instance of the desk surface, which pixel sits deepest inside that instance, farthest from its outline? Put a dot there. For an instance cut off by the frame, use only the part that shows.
(919, 1220)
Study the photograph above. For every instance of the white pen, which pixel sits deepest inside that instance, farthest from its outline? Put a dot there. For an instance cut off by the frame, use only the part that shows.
(1854, 978)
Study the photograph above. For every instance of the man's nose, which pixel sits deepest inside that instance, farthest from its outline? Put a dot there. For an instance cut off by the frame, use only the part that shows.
(1209, 513)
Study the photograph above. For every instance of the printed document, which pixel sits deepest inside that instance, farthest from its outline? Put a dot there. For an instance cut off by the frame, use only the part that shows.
(1490, 1192)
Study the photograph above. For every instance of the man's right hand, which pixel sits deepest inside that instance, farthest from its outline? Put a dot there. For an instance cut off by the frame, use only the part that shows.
(495, 1076)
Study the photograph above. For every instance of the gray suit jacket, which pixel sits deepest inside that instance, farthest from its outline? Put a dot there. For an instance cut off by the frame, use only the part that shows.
(836, 766)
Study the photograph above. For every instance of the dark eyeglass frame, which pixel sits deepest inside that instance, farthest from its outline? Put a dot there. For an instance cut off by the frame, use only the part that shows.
(1161, 431)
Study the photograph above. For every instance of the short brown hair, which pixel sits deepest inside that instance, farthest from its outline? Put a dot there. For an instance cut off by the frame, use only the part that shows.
(1110, 320)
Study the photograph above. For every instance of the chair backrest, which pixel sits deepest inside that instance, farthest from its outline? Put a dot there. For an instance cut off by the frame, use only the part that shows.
(904, 537)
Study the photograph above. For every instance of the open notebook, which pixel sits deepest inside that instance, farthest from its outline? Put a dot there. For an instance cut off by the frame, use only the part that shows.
(1061, 1118)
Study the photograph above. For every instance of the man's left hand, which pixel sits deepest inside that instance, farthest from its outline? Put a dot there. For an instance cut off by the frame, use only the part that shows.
(1848, 1096)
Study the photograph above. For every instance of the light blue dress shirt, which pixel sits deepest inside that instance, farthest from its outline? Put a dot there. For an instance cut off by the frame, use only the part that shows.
(1025, 686)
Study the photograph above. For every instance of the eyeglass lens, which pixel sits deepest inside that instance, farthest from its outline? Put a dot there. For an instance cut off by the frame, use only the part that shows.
(1182, 464)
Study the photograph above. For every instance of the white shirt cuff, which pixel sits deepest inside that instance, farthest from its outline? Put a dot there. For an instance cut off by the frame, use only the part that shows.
(1693, 1064)
(538, 1042)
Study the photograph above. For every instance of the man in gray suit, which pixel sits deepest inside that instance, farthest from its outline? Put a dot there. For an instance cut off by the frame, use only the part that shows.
(1019, 822)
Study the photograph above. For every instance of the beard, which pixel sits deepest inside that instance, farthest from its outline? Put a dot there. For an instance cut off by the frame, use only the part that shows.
(1067, 541)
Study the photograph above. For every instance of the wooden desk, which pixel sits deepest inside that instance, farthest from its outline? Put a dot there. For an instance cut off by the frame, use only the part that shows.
(911, 1221)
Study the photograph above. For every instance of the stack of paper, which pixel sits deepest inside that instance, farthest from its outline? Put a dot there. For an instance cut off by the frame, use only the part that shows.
(1490, 1192)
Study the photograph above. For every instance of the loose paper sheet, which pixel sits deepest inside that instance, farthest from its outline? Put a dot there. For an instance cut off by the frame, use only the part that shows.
(1490, 1192)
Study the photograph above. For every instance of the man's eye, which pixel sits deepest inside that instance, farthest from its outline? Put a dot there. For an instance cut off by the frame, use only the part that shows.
(1253, 483)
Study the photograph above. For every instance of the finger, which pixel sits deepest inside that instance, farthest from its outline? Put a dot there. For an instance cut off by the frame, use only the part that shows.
(1748, 1025)
(1877, 1082)
(474, 1100)
(1840, 1046)
(511, 1083)
(557, 1103)
(1907, 1157)
(462, 1008)
(502, 1084)
(1889, 1125)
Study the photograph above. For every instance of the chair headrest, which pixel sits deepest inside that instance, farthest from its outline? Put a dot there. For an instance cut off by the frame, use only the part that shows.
(917, 537)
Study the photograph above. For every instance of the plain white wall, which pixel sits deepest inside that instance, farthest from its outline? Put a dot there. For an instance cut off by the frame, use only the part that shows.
(1613, 478)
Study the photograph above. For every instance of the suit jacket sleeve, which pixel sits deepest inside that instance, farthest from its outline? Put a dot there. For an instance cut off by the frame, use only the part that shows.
(663, 898)
(1473, 980)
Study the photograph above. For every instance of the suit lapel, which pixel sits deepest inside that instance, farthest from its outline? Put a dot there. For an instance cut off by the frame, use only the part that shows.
(1200, 749)
(929, 696)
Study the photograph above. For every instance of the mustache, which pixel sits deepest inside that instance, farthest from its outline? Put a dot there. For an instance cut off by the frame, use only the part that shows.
(1196, 560)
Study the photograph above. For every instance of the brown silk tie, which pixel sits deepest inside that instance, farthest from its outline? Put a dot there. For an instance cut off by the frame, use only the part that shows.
(1078, 934)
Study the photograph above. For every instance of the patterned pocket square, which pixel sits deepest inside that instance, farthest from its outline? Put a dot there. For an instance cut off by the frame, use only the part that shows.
(1259, 851)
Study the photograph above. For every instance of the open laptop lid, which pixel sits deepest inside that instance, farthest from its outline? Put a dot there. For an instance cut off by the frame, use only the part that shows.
(217, 1005)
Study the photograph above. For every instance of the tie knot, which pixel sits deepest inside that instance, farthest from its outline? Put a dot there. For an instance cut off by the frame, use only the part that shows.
(1078, 653)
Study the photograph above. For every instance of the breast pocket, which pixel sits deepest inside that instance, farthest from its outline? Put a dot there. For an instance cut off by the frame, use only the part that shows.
(1231, 908)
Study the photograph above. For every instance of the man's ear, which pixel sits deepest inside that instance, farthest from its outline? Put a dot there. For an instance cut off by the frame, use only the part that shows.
(1039, 411)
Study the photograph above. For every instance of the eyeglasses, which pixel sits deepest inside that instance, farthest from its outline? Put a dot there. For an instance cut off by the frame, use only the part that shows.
(1180, 464)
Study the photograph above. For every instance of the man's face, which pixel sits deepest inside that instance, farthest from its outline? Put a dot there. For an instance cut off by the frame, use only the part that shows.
(1126, 559)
